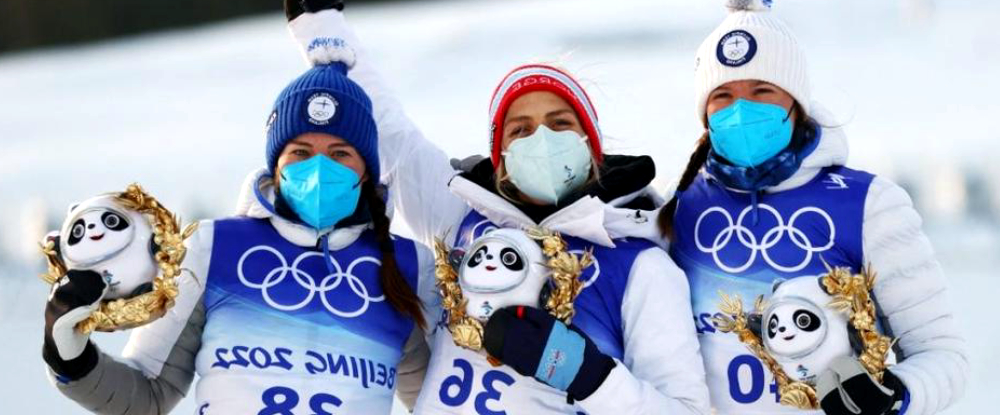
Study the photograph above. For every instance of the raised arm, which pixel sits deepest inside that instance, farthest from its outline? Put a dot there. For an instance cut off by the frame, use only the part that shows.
(416, 170)
(416, 352)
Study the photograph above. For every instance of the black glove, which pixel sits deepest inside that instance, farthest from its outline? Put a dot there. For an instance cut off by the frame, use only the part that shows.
(846, 388)
(294, 8)
(534, 343)
(467, 164)
(74, 298)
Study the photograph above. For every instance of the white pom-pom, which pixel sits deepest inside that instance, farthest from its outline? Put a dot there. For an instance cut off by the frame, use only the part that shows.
(749, 5)
(327, 50)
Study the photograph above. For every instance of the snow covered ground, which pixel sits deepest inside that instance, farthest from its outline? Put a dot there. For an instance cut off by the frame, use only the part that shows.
(183, 113)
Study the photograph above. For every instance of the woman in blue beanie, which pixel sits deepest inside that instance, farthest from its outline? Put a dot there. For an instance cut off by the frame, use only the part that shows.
(306, 304)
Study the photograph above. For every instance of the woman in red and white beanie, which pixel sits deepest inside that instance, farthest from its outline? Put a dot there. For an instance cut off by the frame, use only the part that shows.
(542, 78)
(564, 153)
(631, 347)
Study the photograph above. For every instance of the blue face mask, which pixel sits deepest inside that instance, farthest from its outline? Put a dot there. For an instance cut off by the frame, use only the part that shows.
(321, 191)
(749, 133)
(547, 164)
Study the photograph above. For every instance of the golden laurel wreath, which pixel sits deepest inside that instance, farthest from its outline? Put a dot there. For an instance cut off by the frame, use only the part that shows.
(851, 295)
(126, 313)
(565, 270)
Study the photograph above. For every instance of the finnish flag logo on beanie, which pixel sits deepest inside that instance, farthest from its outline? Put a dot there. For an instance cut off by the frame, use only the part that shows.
(322, 107)
(736, 48)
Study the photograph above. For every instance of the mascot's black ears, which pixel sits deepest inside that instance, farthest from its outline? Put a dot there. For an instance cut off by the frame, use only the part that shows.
(153, 247)
(776, 283)
(455, 258)
(543, 297)
(755, 322)
(823, 287)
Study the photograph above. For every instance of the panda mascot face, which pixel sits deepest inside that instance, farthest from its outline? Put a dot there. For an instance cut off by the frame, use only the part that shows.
(801, 332)
(101, 235)
(503, 268)
(96, 234)
(795, 328)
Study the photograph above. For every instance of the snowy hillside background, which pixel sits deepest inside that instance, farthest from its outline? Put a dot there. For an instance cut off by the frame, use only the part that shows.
(182, 112)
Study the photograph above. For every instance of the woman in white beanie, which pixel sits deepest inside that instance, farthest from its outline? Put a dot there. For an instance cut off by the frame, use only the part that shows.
(766, 197)
(631, 347)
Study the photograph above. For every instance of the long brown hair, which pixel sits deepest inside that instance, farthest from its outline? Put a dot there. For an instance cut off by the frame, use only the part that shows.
(397, 291)
(665, 220)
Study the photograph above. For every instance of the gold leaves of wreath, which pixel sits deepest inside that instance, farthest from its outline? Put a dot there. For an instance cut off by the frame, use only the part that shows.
(125, 313)
(565, 269)
(851, 295)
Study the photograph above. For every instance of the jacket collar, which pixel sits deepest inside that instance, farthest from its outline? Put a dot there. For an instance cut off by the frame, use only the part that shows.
(831, 150)
(588, 218)
(615, 207)
(256, 200)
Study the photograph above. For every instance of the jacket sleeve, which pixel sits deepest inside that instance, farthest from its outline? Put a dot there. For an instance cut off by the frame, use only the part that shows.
(158, 363)
(662, 371)
(416, 352)
(412, 368)
(912, 296)
(416, 170)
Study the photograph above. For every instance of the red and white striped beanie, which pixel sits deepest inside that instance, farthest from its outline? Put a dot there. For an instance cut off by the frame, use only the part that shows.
(537, 77)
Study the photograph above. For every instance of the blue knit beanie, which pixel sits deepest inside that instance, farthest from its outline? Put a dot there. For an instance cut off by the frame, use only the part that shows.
(324, 100)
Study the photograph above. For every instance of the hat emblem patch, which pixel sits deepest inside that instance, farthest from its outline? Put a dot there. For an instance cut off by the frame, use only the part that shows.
(736, 48)
(322, 107)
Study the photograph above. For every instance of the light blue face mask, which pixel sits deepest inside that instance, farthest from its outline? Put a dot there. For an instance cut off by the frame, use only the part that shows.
(321, 191)
(547, 164)
(749, 133)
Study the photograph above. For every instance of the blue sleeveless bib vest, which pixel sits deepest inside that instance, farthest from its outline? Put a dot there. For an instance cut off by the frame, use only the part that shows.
(722, 249)
(289, 329)
(598, 308)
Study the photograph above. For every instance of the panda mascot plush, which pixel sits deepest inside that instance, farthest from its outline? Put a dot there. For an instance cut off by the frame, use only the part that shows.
(502, 268)
(101, 235)
(800, 331)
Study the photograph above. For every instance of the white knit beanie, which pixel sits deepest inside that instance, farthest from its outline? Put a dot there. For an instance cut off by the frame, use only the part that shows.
(751, 44)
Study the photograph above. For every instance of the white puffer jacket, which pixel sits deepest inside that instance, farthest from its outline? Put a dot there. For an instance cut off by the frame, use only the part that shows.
(911, 289)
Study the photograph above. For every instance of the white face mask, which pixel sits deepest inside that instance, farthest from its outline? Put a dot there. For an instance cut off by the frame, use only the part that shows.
(547, 165)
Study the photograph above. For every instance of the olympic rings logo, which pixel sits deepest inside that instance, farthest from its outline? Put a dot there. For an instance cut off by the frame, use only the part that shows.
(770, 239)
(303, 279)
(596, 265)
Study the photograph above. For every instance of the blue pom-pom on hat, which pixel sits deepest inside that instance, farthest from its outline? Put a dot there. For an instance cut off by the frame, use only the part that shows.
(325, 100)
